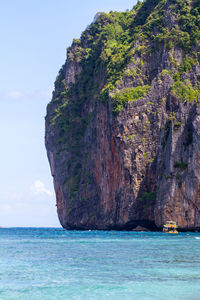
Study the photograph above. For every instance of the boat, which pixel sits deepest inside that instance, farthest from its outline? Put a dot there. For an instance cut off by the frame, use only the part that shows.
(170, 227)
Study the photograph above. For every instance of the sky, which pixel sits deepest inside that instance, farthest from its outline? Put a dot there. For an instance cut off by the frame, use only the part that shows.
(34, 37)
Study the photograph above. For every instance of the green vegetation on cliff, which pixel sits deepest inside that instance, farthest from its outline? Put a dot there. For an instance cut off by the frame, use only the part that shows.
(128, 95)
(185, 91)
(117, 39)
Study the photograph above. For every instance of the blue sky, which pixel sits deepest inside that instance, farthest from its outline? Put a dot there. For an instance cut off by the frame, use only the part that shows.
(34, 38)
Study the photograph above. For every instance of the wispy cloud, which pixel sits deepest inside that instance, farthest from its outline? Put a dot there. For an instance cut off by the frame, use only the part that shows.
(28, 208)
(38, 187)
(14, 94)
(43, 94)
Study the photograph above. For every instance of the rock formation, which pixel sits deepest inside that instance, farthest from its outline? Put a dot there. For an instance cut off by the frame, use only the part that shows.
(123, 126)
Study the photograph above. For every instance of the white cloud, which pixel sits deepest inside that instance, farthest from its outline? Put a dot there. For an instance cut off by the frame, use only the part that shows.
(28, 211)
(38, 187)
(14, 94)
(45, 94)
(28, 208)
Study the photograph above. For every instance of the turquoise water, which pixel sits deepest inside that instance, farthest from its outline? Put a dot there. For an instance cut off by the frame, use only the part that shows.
(41, 263)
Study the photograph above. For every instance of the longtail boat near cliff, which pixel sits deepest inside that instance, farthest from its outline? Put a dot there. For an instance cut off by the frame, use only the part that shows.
(170, 227)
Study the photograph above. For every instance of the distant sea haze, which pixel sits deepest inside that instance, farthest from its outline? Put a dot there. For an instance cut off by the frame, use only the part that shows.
(52, 263)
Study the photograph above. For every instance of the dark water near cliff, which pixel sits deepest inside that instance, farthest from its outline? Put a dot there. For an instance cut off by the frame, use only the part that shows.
(39, 263)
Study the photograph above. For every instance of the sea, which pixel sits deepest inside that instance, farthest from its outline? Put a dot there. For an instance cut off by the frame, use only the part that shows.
(53, 263)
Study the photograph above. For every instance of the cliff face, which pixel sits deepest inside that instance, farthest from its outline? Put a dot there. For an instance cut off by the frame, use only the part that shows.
(123, 126)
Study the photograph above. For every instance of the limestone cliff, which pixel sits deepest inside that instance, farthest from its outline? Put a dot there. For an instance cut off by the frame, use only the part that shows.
(123, 126)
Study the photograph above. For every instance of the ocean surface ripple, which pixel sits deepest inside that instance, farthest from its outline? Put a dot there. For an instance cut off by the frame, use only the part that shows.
(52, 263)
